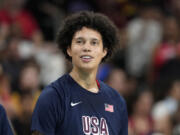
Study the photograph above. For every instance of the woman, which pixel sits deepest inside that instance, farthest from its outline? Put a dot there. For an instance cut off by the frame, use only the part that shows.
(77, 103)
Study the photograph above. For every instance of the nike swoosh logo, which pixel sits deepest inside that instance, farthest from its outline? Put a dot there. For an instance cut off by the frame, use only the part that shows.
(74, 104)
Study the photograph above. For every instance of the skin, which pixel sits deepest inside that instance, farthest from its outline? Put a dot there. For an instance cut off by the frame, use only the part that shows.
(85, 42)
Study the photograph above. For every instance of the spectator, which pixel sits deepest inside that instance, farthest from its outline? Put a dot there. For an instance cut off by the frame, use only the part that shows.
(4, 33)
(44, 51)
(11, 62)
(29, 85)
(23, 121)
(144, 32)
(140, 121)
(49, 15)
(117, 79)
(119, 57)
(12, 13)
(169, 48)
(5, 95)
(165, 109)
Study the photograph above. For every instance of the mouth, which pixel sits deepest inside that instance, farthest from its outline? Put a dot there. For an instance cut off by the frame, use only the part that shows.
(86, 58)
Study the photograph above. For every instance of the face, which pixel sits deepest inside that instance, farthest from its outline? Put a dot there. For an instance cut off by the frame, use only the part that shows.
(118, 81)
(144, 102)
(86, 49)
(29, 78)
(171, 29)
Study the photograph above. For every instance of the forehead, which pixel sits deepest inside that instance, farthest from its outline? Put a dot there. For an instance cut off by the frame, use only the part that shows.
(87, 33)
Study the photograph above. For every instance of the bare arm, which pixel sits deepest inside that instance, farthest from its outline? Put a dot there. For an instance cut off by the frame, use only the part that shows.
(36, 133)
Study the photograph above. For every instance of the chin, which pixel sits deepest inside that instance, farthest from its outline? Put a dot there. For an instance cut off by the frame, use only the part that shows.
(87, 67)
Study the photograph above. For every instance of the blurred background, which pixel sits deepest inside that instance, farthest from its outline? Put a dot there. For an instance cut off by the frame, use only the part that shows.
(145, 68)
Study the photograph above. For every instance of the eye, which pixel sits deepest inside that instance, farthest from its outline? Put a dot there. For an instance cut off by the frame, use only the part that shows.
(94, 42)
(79, 41)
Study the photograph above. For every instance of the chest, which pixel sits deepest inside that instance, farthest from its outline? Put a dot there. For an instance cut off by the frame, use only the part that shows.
(92, 114)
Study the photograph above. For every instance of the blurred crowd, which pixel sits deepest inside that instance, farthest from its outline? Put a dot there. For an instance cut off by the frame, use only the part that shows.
(145, 68)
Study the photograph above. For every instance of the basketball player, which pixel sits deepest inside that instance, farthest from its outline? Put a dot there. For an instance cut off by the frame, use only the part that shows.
(77, 103)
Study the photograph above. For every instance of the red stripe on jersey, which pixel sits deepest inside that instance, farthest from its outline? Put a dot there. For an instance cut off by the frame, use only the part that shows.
(98, 84)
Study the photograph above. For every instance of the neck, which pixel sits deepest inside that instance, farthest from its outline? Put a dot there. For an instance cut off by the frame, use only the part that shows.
(86, 80)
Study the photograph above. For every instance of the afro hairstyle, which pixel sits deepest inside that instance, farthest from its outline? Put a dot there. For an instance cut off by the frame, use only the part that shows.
(88, 19)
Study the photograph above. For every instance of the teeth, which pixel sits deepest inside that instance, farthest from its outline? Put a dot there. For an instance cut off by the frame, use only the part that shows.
(86, 57)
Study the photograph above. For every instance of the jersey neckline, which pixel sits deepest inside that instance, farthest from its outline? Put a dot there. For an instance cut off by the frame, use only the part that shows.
(83, 89)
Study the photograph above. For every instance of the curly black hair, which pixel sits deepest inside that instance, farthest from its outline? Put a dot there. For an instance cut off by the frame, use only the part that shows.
(89, 19)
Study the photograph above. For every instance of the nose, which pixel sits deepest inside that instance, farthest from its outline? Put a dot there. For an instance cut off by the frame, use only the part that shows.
(87, 47)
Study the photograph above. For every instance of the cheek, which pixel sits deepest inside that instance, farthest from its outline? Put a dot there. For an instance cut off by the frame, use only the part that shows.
(74, 51)
(99, 53)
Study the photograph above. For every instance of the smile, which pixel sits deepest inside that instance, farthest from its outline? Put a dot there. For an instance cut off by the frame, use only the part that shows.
(86, 58)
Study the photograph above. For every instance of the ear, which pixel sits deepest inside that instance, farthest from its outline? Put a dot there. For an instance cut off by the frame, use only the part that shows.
(69, 52)
(104, 52)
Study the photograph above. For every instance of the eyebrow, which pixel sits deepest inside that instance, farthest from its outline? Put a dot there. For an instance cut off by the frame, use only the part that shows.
(84, 38)
(78, 38)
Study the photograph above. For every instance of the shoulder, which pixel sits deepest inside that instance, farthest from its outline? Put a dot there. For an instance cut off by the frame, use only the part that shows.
(49, 108)
(56, 88)
(55, 93)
